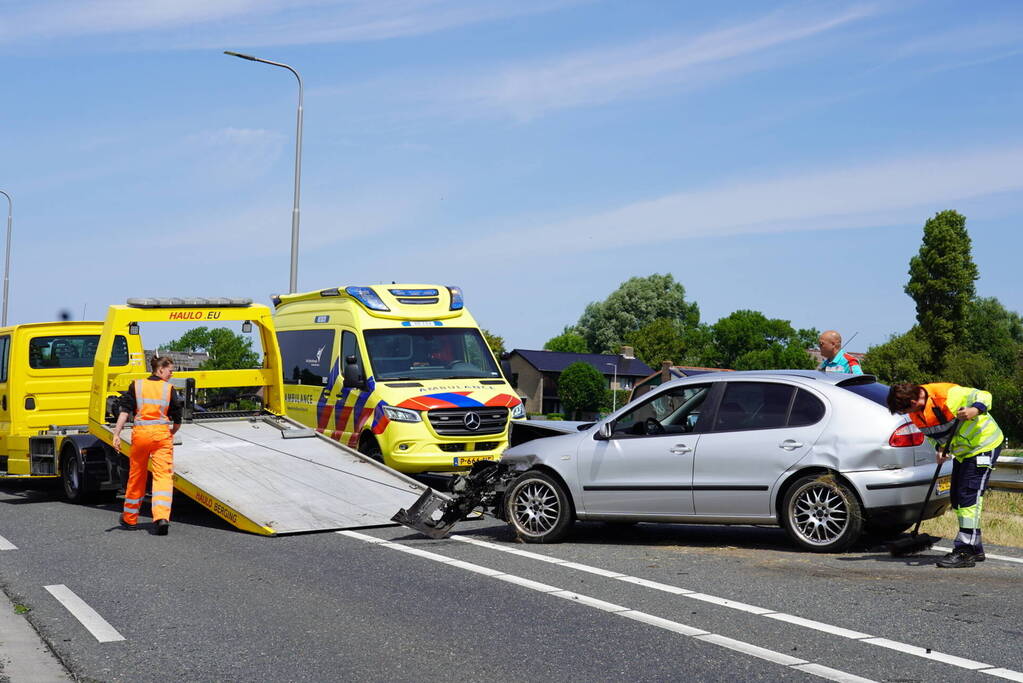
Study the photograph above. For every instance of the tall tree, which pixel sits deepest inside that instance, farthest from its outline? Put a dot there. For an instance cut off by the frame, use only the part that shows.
(941, 278)
(227, 350)
(637, 302)
(581, 387)
(568, 341)
(657, 341)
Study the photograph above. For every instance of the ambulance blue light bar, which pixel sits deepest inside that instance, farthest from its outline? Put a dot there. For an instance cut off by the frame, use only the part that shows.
(367, 297)
(457, 302)
(413, 292)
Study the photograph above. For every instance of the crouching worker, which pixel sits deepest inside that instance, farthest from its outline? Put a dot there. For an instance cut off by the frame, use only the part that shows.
(934, 408)
(156, 408)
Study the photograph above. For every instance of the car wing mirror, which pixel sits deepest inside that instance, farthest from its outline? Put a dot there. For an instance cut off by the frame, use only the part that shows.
(604, 432)
(353, 374)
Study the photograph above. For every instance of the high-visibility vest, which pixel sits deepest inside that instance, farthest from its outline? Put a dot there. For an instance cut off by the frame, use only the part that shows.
(152, 402)
(973, 437)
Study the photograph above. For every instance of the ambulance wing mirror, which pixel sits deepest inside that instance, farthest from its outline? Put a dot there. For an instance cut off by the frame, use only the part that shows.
(353, 374)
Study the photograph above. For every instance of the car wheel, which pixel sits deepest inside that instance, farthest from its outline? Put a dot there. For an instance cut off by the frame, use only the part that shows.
(822, 514)
(539, 509)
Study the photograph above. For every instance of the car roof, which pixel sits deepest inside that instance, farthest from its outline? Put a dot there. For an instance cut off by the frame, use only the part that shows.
(832, 378)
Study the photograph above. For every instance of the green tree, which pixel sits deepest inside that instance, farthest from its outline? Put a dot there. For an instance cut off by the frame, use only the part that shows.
(903, 358)
(581, 387)
(660, 340)
(748, 340)
(495, 343)
(941, 278)
(227, 350)
(568, 341)
(636, 303)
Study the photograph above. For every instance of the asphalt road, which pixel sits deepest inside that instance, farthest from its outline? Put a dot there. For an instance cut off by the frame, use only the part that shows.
(644, 602)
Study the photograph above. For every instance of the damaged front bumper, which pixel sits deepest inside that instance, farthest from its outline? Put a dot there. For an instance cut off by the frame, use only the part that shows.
(435, 513)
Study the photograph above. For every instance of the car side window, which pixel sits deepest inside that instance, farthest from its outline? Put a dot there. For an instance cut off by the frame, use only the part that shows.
(674, 411)
(807, 409)
(753, 405)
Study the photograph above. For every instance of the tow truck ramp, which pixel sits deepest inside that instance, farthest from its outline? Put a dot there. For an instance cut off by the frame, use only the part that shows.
(270, 475)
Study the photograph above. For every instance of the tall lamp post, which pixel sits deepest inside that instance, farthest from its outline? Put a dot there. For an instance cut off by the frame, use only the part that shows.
(7, 260)
(293, 284)
(614, 387)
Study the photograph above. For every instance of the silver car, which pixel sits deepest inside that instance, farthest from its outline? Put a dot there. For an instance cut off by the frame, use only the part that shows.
(816, 453)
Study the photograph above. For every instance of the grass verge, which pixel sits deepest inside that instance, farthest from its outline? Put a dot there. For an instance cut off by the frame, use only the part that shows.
(1001, 520)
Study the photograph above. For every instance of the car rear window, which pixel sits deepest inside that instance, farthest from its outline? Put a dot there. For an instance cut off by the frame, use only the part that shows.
(875, 391)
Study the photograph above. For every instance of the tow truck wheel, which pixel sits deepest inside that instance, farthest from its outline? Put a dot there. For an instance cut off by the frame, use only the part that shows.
(539, 509)
(71, 478)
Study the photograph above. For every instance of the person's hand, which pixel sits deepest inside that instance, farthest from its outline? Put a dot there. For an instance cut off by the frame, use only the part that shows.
(939, 458)
(967, 413)
(117, 442)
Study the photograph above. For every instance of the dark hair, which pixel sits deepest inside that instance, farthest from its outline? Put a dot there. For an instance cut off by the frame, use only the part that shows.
(157, 362)
(901, 396)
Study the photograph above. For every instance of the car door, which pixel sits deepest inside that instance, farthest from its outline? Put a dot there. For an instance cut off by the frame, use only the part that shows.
(645, 468)
(759, 431)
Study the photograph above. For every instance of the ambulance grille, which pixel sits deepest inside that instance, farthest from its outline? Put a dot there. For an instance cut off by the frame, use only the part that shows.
(458, 421)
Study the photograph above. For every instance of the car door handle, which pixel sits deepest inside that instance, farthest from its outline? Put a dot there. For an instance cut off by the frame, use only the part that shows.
(790, 445)
(680, 449)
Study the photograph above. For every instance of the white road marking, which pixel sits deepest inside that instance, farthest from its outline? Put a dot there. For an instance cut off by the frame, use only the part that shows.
(1004, 558)
(620, 610)
(1004, 673)
(771, 614)
(90, 618)
(6, 545)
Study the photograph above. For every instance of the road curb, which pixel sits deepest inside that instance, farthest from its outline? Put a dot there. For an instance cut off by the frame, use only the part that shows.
(24, 655)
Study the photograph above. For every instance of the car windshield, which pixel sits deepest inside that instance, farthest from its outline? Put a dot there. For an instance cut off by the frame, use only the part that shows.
(429, 353)
(875, 391)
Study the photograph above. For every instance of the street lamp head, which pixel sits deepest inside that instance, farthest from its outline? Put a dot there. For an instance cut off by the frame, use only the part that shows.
(239, 54)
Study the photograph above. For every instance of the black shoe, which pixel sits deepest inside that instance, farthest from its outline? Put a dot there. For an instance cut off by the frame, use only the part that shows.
(979, 557)
(161, 527)
(126, 526)
(957, 559)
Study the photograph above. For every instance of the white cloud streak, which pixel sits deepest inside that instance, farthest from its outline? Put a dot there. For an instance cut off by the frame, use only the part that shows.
(600, 76)
(881, 193)
(245, 23)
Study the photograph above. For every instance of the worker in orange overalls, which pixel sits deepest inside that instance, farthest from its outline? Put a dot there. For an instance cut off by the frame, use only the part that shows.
(156, 408)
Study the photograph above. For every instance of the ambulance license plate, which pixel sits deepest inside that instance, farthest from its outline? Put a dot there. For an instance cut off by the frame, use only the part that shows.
(467, 460)
(944, 484)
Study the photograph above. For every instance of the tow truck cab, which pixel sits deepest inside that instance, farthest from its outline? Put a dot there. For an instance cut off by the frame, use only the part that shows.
(402, 372)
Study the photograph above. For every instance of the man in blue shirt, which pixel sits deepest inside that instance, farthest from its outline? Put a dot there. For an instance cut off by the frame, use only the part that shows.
(835, 358)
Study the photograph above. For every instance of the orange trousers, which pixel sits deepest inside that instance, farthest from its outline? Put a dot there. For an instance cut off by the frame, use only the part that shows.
(151, 445)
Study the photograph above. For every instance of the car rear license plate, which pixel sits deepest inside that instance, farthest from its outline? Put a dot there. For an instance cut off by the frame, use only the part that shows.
(467, 460)
(944, 484)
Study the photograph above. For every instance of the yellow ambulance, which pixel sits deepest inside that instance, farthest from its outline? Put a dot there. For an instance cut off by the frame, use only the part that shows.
(401, 372)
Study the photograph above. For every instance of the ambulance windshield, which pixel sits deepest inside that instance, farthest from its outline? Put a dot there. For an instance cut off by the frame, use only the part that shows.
(418, 353)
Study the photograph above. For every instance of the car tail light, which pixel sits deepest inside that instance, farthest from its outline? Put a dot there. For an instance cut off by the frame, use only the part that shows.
(906, 435)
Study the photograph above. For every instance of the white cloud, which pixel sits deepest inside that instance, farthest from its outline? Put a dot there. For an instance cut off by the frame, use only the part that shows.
(886, 192)
(245, 23)
(604, 75)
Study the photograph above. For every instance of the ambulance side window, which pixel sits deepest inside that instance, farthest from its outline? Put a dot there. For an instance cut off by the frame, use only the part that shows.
(350, 347)
(306, 355)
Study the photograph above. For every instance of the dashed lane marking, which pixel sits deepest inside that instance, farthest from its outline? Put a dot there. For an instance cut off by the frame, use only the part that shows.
(620, 610)
(80, 610)
(905, 648)
(6, 545)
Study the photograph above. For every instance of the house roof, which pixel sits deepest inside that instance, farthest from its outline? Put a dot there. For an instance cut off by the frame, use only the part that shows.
(557, 361)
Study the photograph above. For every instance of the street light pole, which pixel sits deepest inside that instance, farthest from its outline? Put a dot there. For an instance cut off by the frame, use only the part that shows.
(293, 283)
(7, 260)
(614, 387)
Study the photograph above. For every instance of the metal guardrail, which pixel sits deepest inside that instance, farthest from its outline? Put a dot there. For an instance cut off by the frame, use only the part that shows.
(1008, 473)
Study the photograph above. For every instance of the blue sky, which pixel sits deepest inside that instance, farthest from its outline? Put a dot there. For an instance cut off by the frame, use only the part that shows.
(780, 157)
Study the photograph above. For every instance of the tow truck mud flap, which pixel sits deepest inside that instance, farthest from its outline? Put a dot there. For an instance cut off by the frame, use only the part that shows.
(428, 515)
(250, 474)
